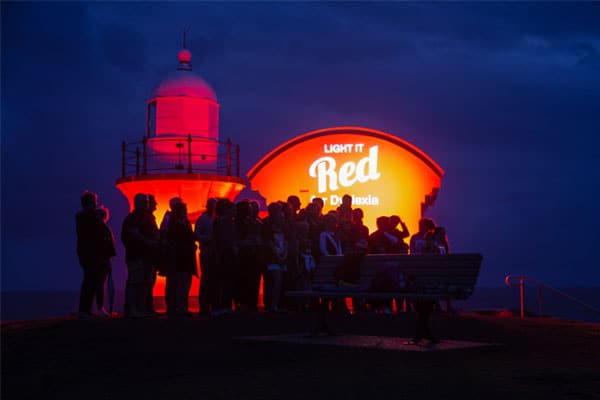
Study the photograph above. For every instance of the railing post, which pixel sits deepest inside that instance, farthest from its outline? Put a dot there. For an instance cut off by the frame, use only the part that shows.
(144, 156)
(522, 292)
(228, 156)
(237, 160)
(179, 146)
(137, 160)
(540, 285)
(123, 156)
(189, 140)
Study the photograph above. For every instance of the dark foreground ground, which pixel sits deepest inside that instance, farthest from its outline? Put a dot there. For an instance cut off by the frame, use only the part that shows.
(201, 358)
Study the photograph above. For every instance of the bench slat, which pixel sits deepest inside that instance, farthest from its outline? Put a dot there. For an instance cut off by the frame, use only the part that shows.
(429, 276)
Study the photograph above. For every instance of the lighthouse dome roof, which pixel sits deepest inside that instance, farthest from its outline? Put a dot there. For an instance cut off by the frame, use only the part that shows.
(184, 82)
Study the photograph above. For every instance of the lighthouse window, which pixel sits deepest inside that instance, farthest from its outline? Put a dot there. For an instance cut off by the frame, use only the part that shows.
(151, 123)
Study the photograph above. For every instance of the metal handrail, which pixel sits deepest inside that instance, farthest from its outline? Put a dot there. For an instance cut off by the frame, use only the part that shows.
(137, 156)
(509, 281)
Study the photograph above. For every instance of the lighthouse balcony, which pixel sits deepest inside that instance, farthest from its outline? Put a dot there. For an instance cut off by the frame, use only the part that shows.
(180, 154)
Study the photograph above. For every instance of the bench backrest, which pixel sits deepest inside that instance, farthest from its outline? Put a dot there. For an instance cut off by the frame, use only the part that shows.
(454, 275)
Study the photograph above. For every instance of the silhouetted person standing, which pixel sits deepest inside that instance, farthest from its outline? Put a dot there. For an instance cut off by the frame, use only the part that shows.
(141, 250)
(329, 242)
(276, 243)
(382, 241)
(399, 235)
(94, 251)
(437, 241)
(164, 224)
(225, 234)
(109, 246)
(418, 241)
(315, 227)
(345, 209)
(154, 268)
(181, 261)
(360, 232)
(203, 232)
(294, 273)
(249, 231)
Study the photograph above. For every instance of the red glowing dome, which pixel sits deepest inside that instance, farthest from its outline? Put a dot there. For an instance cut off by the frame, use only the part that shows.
(184, 82)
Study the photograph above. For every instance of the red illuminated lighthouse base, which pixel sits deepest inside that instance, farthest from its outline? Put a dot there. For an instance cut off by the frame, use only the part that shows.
(193, 189)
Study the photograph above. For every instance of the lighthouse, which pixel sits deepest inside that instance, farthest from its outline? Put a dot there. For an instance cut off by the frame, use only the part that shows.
(180, 153)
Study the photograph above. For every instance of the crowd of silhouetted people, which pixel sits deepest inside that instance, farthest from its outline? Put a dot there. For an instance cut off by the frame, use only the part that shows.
(238, 249)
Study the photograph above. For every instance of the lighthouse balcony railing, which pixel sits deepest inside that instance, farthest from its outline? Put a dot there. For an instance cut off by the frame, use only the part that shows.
(180, 155)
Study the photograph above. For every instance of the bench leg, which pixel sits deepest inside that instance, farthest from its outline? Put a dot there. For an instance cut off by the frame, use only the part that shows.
(321, 325)
(423, 309)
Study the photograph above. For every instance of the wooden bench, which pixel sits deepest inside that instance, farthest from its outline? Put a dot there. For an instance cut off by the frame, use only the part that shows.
(424, 279)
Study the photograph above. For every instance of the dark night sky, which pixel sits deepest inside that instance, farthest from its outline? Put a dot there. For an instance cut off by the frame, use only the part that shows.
(505, 97)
